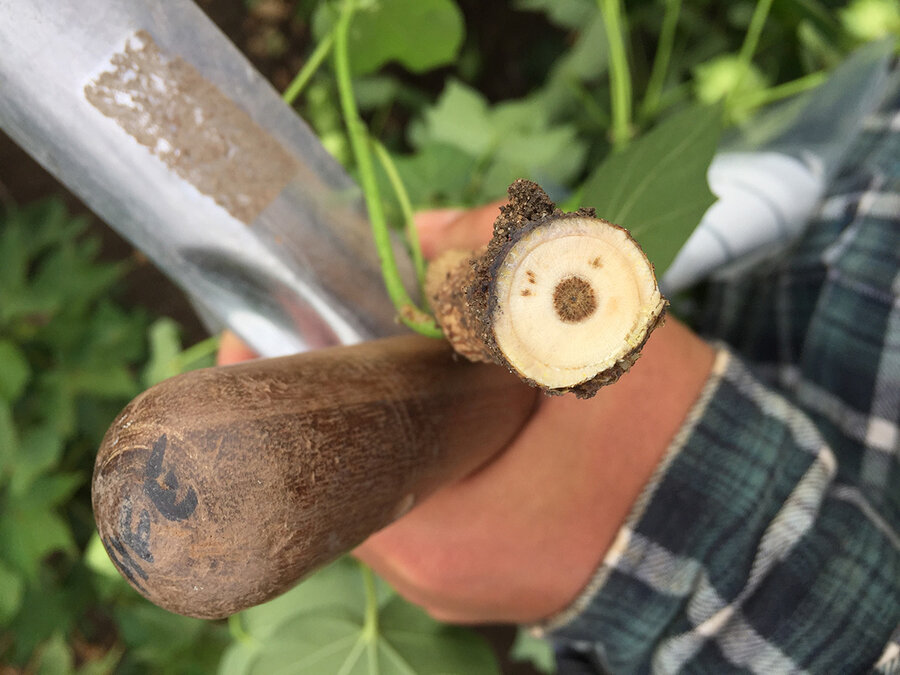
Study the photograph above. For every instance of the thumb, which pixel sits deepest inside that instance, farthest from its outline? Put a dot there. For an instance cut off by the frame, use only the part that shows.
(445, 229)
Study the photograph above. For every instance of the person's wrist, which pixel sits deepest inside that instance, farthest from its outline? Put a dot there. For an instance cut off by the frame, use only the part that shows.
(635, 421)
(633, 424)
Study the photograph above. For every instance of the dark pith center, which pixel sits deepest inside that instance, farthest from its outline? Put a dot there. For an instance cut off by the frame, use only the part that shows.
(574, 300)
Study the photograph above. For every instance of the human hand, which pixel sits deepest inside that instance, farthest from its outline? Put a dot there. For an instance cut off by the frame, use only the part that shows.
(518, 539)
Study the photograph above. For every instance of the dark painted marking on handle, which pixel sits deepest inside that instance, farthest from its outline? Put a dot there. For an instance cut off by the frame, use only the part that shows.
(165, 497)
(128, 566)
(139, 540)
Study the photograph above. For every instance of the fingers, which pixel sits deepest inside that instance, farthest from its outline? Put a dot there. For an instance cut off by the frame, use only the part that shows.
(445, 229)
(233, 350)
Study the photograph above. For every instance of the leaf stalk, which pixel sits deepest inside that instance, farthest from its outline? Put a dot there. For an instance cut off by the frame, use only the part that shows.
(619, 74)
(411, 315)
(653, 94)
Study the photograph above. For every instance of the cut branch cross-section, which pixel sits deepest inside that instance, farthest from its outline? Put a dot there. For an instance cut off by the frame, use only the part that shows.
(564, 300)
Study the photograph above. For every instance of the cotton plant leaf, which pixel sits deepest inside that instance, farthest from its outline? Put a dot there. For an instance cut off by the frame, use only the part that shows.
(437, 174)
(319, 627)
(411, 639)
(55, 656)
(14, 371)
(97, 559)
(336, 585)
(40, 451)
(657, 186)
(12, 590)
(162, 642)
(418, 34)
(36, 534)
(50, 490)
(9, 440)
(506, 141)
(459, 118)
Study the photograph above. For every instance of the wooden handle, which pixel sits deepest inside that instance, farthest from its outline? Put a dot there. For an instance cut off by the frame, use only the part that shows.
(221, 488)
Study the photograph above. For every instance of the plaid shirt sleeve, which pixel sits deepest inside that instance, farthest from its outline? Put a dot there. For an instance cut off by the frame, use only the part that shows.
(767, 540)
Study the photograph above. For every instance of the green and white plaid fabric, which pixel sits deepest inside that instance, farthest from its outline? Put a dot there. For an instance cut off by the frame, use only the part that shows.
(767, 541)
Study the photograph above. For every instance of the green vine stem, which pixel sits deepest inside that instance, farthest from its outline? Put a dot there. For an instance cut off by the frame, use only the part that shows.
(237, 631)
(412, 316)
(653, 94)
(195, 353)
(409, 221)
(370, 622)
(302, 78)
(619, 74)
(748, 49)
(782, 91)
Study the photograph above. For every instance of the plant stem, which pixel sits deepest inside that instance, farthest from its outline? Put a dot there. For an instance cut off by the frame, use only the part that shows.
(410, 315)
(409, 222)
(619, 74)
(236, 630)
(748, 49)
(309, 68)
(595, 111)
(783, 91)
(370, 623)
(196, 352)
(661, 60)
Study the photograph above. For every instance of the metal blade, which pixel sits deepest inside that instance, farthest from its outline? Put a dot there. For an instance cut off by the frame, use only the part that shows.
(158, 123)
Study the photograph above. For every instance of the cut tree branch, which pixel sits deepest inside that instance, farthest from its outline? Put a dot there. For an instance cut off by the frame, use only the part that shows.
(564, 300)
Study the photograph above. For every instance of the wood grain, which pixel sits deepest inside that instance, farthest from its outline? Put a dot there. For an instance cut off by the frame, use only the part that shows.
(221, 488)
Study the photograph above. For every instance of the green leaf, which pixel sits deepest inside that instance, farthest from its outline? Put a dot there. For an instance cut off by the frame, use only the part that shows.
(9, 439)
(418, 34)
(162, 642)
(657, 186)
(11, 592)
(47, 609)
(514, 139)
(437, 174)
(460, 118)
(165, 345)
(411, 637)
(167, 359)
(533, 650)
(115, 381)
(27, 536)
(97, 559)
(50, 491)
(13, 254)
(321, 627)
(14, 371)
(40, 450)
(334, 586)
(55, 657)
(56, 402)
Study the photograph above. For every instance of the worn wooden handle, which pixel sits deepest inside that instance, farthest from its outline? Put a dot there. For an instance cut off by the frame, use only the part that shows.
(221, 488)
